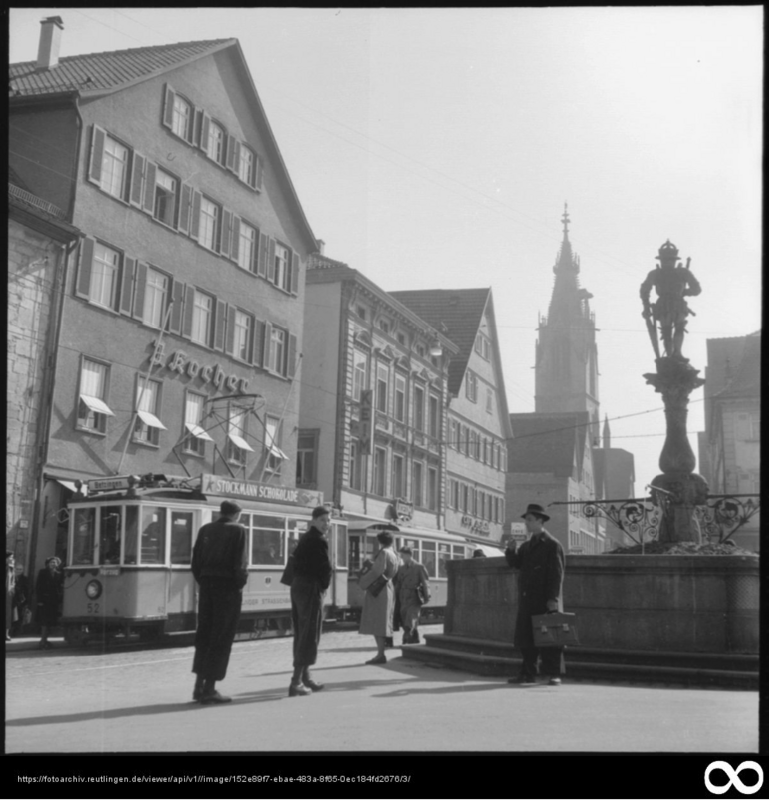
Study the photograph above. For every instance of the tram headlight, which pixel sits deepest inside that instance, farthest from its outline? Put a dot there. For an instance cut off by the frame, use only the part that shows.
(93, 590)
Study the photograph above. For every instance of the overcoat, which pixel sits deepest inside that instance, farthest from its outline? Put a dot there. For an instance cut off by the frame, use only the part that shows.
(376, 618)
(407, 580)
(49, 594)
(312, 576)
(541, 563)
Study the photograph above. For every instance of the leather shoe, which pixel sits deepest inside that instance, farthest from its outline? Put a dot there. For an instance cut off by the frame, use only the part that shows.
(214, 698)
(298, 690)
(197, 692)
(310, 684)
(377, 660)
(555, 681)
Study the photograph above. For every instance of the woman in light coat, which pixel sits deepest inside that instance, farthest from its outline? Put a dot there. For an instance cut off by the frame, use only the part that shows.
(376, 618)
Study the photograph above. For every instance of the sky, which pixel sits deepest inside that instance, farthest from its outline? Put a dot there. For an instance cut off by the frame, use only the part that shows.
(435, 148)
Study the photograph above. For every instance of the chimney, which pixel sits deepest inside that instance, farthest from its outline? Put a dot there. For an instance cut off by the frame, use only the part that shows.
(50, 41)
(321, 246)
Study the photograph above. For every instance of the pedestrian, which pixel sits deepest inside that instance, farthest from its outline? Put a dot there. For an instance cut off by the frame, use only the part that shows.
(312, 576)
(22, 614)
(220, 566)
(49, 595)
(412, 589)
(540, 585)
(376, 616)
(10, 590)
(479, 553)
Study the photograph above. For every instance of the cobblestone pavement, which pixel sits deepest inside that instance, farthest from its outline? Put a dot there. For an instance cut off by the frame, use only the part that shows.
(66, 700)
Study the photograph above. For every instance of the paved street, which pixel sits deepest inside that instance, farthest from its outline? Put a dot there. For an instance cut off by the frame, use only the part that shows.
(139, 700)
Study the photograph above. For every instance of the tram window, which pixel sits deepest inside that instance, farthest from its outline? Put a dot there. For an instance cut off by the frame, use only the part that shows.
(131, 546)
(458, 551)
(340, 534)
(444, 555)
(153, 535)
(296, 527)
(354, 560)
(428, 558)
(84, 528)
(267, 540)
(181, 537)
(109, 534)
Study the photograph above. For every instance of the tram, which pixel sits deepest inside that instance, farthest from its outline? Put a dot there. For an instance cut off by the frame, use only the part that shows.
(130, 548)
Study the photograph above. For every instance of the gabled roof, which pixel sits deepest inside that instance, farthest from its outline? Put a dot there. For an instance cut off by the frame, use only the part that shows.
(548, 442)
(746, 381)
(97, 72)
(455, 312)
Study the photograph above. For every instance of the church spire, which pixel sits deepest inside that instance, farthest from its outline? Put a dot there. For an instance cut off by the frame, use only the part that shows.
(566, 261)
(606, 433)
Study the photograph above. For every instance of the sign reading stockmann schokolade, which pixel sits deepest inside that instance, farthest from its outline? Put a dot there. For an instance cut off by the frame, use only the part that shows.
(263, 492)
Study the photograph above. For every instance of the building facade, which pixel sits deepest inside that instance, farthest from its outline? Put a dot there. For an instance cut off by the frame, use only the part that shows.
(178, 350)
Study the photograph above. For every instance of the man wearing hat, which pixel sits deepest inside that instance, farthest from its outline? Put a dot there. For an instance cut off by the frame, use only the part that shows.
(540, 583)
(220, 566)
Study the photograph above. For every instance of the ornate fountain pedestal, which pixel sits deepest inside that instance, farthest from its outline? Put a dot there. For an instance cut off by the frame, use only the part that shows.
(678, 489)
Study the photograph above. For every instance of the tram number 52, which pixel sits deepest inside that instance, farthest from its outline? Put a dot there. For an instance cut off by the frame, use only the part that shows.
(93, 608)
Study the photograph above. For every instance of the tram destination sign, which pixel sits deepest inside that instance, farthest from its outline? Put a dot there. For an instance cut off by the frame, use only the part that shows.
(252, 490)
(108, 484)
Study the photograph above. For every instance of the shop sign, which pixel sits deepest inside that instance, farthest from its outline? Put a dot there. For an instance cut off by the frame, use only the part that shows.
(182, 364)
(480, 526)
(404, 509)
(252, 490)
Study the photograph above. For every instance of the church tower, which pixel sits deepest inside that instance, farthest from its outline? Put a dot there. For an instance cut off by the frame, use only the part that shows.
(567, 355)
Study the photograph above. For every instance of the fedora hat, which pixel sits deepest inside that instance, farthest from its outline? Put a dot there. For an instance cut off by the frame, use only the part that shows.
(533, 508)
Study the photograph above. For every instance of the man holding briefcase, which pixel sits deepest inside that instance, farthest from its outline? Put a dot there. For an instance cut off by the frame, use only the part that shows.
(540, 583)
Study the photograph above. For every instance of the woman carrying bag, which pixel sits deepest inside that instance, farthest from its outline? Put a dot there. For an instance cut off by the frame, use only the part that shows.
(413, 590)
(376, 618)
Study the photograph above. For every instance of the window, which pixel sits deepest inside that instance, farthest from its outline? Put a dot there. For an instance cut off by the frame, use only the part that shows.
(339, 536)
(306, 458)
(380, 467)
(202, 318)
(275, 456)
(84, 536)
(416, 484)
(148, 426)
(382, 387)
(153, 535)
(155, 294)
(420, 350)
(398, 474)
(419, 408)
(465, 498)
(242, 342)
(471, 439)
(444, 556)
(360, 364)
(182, 118)
(360, 312)
(277, 359)
(105, 270)
(462, 441)
(237, 446)
(400, 398)
(216, 140)
(247, 166)
(489, 400)
(355, 470)
(432, 489)
(247, 247)
(483, 346)
(114, 168)
(435, 418)
(209, 223)
(471, 387)
(401, 337)
(182, 529)
(384, 326)
(195, 438)
(166, 187)
(454, 494)
(428, 558)
(267, 539)
(282, 266)
(92, 408)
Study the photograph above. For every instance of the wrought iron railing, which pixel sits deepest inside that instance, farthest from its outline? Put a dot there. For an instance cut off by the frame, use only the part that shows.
(725, 514)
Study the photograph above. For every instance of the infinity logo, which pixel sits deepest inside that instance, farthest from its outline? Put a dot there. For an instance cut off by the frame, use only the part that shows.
(733, 779)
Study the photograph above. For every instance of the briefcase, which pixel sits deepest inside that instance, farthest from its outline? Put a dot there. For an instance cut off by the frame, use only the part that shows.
(554, 630)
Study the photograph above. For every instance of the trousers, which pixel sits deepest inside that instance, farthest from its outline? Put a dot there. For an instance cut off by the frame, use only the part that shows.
(307, 619)
(552, 661)
(218, 614)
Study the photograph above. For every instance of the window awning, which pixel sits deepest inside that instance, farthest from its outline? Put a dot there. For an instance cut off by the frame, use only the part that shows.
(240, 442)
(277, 452)
(70, 486)
(198, 432)
(97, 405)
(151, 420)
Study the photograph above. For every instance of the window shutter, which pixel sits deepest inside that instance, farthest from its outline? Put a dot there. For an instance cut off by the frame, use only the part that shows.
(264, 254)
(196, 126)
(267, 357)
(295, 274)
(151, 171)
(235, 238)
(137, 175)
(97, 154)
(231, 141)
(204, 127)
(83, 285)
(195, 221)
(220, 321)
(254, 265)
(141, 284)
(229, 346)
(185, 201)
(271, 262)
(258, 170)
(189, 307)
(175, 321)
(224, 249)
(236, 156)
(291, 363)
(126, 292)
(258, 350)
(168, 108)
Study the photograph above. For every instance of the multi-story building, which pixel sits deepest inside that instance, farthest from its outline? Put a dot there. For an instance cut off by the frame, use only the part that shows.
(614, 480)
(478, 426)
(373, 401)
(181, 321)
(730, 445)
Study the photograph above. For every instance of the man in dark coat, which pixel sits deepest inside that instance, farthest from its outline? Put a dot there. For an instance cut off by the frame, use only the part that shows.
(540, 584)
(312, 576)
(220, 566)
